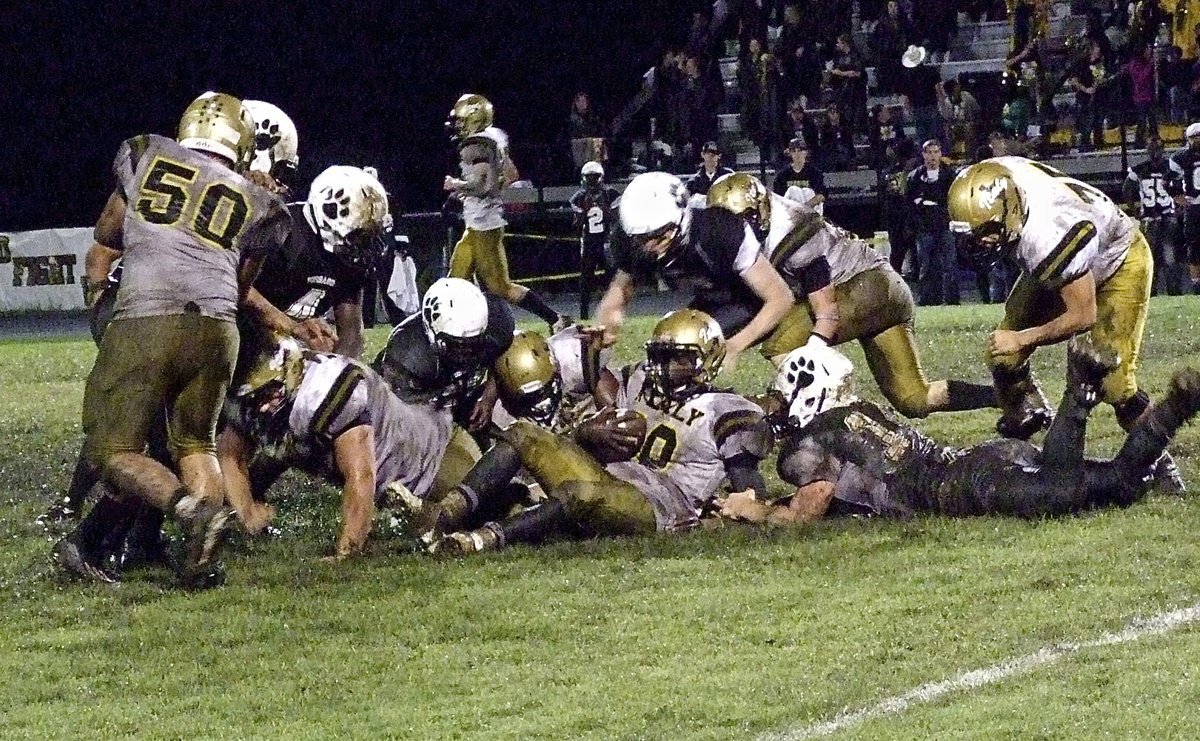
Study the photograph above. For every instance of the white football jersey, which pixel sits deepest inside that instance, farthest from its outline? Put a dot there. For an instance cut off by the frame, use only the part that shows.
(846, 254)
(690, 443)
(1072, 227)
(337, 394)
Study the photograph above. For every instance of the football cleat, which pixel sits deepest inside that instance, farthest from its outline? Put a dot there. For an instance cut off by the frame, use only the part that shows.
(58, 516)
(205, 527)
(465, 542)
(68, 557)
(1026, 410)
(1087, 367)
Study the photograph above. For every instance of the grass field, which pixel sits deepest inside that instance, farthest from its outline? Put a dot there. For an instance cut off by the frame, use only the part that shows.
(727, 634)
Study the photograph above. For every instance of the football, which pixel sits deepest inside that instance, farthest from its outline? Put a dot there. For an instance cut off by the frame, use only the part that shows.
(612, 435)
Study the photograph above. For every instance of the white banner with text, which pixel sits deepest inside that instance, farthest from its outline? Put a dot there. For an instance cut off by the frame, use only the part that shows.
(41, 270)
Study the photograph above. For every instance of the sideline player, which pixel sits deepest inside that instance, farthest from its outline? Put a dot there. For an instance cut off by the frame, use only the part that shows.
(485, 169)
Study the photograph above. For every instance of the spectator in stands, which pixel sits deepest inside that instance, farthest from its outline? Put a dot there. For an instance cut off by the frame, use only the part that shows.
(961, 115)
(919, 91)
(700, 40)
(1085, 80)
(668, 93)
(928, 187)
(895, 209)
(1176, 77)
(585, 130)
(849, 82)
(704, 77)
(800, 125)
(891, 37)
(837, 141)
(801, 181)
(1143, 85)
(1018, 108)
(710, 170)
(883, 135)
(758, 81)
(799, 60)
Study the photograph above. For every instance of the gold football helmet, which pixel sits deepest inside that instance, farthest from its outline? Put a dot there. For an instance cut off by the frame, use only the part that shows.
(987, 210)
(683, 356)
(269, 371)
(746, 196)
(527, 378)
(220, 124)
(470, 115)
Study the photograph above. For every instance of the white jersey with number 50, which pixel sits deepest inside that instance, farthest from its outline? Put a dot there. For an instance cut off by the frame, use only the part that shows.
(1072, 227)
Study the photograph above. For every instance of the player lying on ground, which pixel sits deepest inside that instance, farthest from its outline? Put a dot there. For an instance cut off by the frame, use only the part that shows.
(608, 479)
(852, 293)
(334, 417)
(846, 454)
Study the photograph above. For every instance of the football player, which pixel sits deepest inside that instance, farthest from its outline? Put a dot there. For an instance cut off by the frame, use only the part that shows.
(336, 236)
(1188, 162)
(696, 438)
(554, 382)
(485, 169)
(845, 455)
(747, 296)
(859, 297)
(273, 167)
(594, 206)
(333, 417)
(1085, 266)
(276, 145)
(192, 233)
(1153, 185)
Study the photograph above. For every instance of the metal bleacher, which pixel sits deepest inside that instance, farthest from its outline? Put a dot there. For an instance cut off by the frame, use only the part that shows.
(978, 48)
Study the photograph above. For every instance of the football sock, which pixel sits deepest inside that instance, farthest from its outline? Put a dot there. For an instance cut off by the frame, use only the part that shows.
(534, 303)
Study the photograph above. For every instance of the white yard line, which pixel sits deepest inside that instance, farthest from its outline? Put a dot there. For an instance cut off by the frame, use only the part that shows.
(1164, 622)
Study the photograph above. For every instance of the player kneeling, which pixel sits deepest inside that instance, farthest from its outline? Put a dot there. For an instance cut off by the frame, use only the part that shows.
(846, 454)
(334, 417)
(608, 478)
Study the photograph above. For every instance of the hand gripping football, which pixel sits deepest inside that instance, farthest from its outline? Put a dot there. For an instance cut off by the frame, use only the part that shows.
(612, 435)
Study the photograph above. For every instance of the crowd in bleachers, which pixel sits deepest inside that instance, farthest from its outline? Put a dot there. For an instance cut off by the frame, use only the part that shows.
(833, 72)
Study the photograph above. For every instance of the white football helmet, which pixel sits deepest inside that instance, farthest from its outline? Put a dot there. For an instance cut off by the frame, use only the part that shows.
(348, 209)
(652, 205)
(455, 315)
(276, 142)
(815, 379)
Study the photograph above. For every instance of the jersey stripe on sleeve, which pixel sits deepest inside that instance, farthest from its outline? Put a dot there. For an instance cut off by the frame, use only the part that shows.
(1072, 242)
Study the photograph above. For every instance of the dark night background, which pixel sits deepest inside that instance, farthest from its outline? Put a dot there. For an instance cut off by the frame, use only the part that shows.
(365, 83)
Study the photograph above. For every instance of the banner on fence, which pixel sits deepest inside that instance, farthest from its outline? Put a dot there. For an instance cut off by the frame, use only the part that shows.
(40, 270)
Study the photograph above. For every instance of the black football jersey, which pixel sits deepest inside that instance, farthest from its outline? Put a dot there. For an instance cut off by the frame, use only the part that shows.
(1157, 184)
(304, 280)
(1189, 164)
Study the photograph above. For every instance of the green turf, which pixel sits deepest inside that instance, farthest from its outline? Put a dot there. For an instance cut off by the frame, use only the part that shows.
(709, 635)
